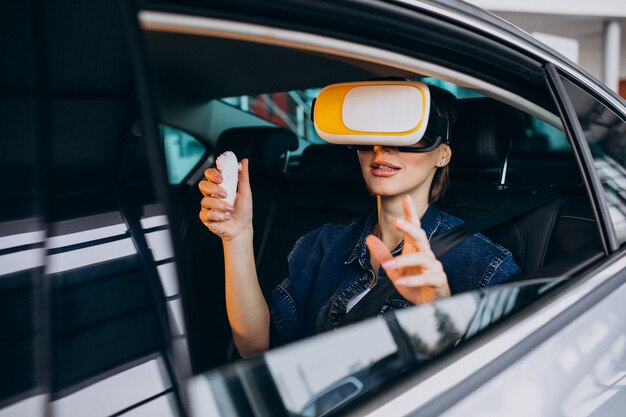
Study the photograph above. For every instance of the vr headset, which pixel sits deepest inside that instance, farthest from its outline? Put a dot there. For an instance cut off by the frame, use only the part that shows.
(387, 113)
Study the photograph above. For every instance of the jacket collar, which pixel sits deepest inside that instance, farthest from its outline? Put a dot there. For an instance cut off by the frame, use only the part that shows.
(430, 223)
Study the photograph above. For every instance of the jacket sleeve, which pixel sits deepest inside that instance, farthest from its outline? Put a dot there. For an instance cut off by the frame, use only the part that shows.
(503, 270)
(287, 301)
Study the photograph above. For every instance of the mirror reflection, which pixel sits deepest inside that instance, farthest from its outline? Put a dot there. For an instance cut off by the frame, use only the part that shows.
(332, 371)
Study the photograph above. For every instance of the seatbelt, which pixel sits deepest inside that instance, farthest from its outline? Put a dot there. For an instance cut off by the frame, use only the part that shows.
(372, 302)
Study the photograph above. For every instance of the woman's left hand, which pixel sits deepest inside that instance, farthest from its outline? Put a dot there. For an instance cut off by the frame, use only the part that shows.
(416, 274)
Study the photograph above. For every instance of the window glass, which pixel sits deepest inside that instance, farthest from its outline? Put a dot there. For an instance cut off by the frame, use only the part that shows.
(292, 109)
(182, 153)
(606, 134)
(22, 256)
(327, 374)
(311, 388)
(540, 136)
(456, 90)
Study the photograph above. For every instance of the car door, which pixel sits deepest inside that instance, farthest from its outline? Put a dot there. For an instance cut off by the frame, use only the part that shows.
(88, 286)
(466, 48)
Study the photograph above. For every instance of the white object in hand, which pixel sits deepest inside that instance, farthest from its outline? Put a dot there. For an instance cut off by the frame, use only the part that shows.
(229, 167)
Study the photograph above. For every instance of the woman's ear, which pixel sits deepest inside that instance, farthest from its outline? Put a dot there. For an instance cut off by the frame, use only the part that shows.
(445, 154)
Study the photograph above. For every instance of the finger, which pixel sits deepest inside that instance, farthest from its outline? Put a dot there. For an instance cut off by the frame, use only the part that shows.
(208, 216)
(415, 234)
(208, 189)
(213, 175)
(410, 213)
(431, 279)
(378, 250)
(414, 259)
(243, 186)
(215, 204)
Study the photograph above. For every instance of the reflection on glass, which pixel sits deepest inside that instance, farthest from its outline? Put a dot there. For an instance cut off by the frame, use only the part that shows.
(324, 374)
(438, 327)
(22, 235)
(182, 153)
(435, 327)
(321, 374)
(606, 135)
(579, 371)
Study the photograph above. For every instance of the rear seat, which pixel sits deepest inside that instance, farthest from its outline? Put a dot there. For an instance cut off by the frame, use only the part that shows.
(328, 188)
(563, 226)
(267, 149)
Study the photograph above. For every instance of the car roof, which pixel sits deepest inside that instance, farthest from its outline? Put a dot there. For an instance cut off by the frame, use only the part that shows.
(493, 25)
(500, 45)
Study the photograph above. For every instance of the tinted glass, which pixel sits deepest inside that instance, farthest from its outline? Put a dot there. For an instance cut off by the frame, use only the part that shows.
(292, 109)
(326, 374)
(22, 236)
(540, 136)
(182, 153)
(606, 134)
(22, 231)
(85, 253)
(577, 372)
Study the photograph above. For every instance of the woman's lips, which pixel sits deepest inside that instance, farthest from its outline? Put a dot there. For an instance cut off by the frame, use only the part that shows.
(384, 169)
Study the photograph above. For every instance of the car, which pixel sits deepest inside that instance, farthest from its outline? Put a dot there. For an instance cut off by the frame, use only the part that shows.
(112, 290)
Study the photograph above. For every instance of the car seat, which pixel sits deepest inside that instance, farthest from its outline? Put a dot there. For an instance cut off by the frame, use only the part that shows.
(267, 149)
(479, 185)
(328, 188)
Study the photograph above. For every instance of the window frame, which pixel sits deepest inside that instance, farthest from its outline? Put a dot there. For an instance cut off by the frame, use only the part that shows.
(539, 337)
(591, 179)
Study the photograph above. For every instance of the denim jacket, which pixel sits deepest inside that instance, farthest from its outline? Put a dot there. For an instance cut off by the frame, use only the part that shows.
(330, 265)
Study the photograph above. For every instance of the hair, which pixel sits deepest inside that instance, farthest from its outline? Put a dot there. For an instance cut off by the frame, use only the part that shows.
(445, 104)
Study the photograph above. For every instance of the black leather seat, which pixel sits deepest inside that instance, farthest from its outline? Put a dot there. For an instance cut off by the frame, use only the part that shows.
(328, 188)
(267, 149)
(482, 137)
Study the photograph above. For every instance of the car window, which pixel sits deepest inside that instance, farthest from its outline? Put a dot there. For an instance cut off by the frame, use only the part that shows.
(456, 90)
(326, 375)
(22, 260)
(324, 184)
(606, 134)
(540, 136)
(292, 109)
(88, 284)
(182, 153)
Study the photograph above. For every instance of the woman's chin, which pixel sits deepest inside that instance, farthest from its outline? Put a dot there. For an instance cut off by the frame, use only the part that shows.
(385, 192)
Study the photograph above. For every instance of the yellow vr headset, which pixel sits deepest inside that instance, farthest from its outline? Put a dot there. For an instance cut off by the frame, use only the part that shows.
(388, 113)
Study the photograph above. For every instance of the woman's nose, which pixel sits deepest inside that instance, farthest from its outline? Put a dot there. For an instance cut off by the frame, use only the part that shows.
(379, 149)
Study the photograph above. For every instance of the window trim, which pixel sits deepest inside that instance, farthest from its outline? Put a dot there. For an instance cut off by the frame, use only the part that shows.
(585, 160)
(220, 28)
(437, 388)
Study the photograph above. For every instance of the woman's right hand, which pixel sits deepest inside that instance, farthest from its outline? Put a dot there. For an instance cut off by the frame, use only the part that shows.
(226, 221)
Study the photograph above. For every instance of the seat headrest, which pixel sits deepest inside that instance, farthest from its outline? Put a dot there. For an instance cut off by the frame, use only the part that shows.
(330, 164)
(265, 147)
(483, 131)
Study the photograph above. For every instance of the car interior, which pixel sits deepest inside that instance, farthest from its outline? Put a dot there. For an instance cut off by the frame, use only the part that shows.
(91, 287)
(502, 155)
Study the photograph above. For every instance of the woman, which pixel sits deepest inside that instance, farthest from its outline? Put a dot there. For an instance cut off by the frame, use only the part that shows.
(334, 266)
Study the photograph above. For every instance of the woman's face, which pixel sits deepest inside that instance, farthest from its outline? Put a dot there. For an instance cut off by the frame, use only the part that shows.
(388, 172)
